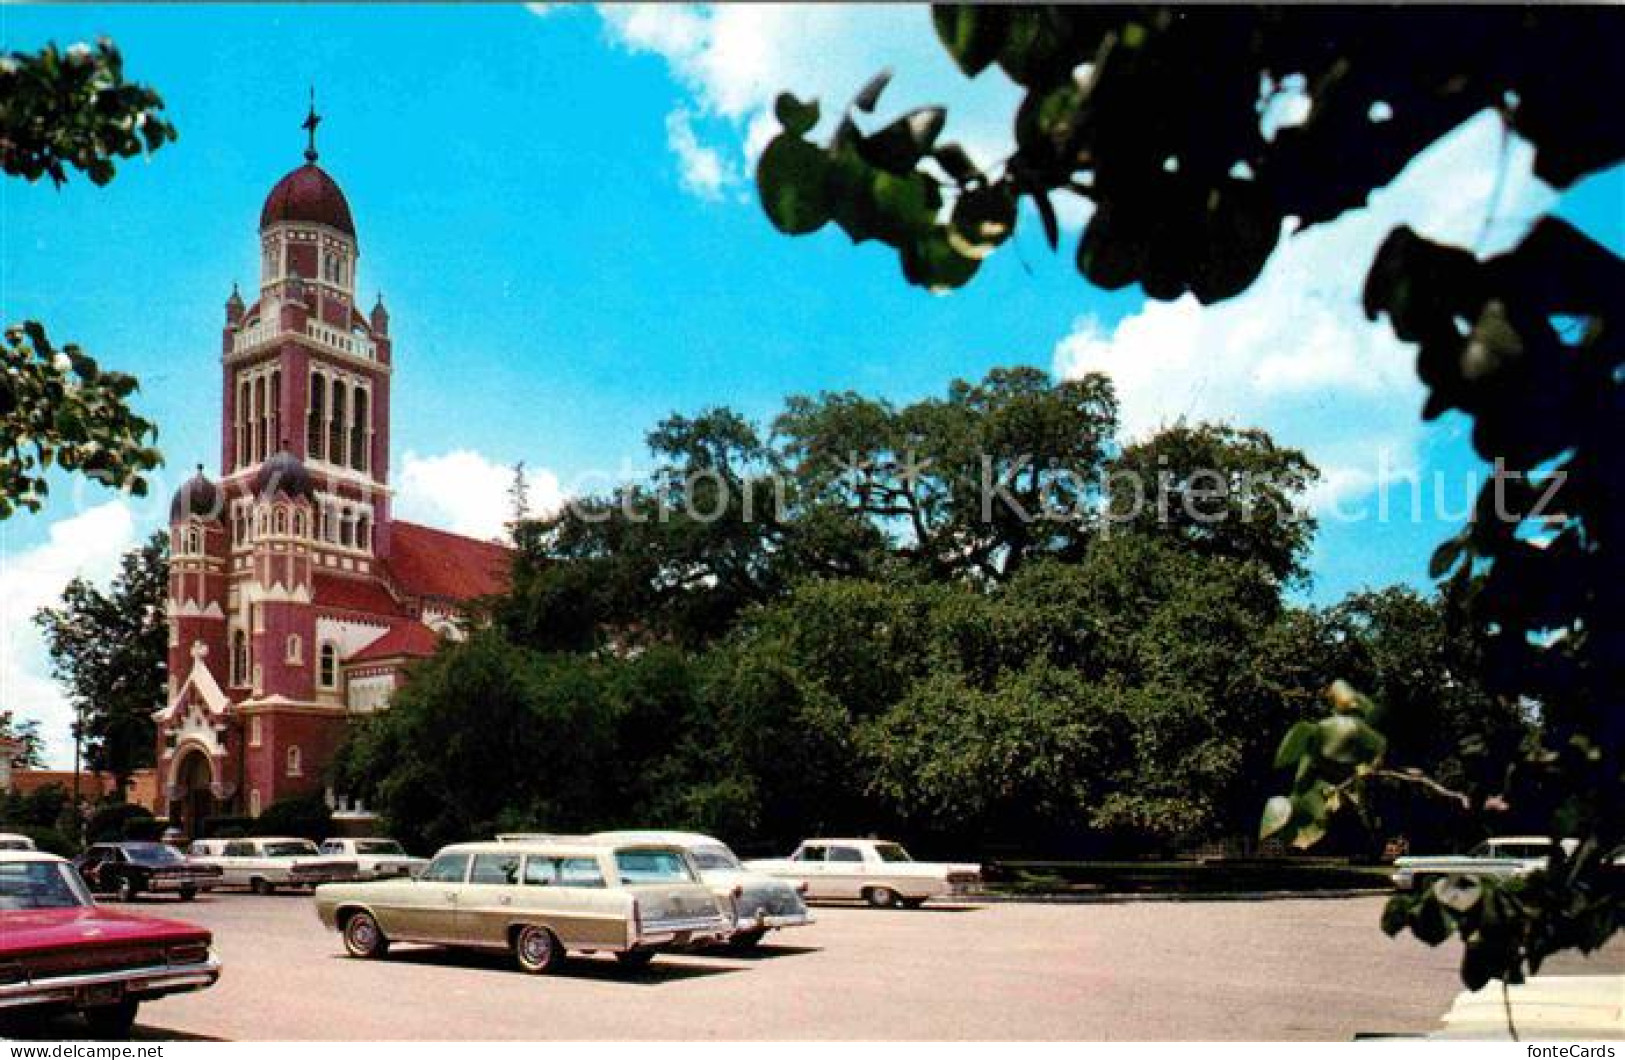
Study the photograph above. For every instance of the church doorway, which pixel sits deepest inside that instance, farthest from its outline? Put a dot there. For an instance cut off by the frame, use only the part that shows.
(194, 777)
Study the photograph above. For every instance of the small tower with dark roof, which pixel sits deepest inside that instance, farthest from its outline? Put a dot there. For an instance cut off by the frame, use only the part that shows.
(198, 556)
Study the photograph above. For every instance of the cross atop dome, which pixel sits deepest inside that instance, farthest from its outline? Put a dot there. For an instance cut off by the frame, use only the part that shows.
(311, 121)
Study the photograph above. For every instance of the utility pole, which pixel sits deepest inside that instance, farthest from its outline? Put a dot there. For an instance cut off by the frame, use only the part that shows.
(78, 743)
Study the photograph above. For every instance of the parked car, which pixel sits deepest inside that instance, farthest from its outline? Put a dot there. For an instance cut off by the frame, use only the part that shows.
(13, 841)
(757, 903)
(59, 950)
(132, 869)
(535, 899)
(375, 859)
(1504, 856)
(265, 864)
(877, 871)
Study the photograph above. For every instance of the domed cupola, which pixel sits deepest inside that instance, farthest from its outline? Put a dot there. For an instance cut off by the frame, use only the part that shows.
(284, 475)
(197, 498)
(308, 196)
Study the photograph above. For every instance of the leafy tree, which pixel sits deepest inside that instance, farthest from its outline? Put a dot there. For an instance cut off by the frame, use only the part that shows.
(1221, 492)
(59, 408)
(1155, 117)
(74, 108)
(62, 109)
(109, 649)
(30, 753)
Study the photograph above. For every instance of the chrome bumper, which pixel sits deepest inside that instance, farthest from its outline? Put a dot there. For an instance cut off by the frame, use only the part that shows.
(766, 921)
(681, 932)
(154, 981)
(159, 884)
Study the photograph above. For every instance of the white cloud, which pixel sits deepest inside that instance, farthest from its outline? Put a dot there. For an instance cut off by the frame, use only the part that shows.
(703, 169)
(734, 59)
(467, 493)
(1295, 354)
(86, 545)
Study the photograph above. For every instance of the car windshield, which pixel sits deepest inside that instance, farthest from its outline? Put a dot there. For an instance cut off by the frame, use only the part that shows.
(714, 857)
(378, 846)
(652, 866)
(290, 850)
(16, 844)
(154, 853)
(891, 852)
(40, 885)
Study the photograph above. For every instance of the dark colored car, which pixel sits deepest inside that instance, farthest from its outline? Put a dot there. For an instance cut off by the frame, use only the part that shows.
(131, 869)
(59, 950)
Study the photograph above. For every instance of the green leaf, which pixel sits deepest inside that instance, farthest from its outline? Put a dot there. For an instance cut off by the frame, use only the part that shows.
(1446, 556)
(869, 95)
(1277, 814)
(1299, 740)
(956, 163)
(971, 34)
(1349, 741)
(931, 261)
(798, 118)
(792, 177)
(899, 147)
(982, 219)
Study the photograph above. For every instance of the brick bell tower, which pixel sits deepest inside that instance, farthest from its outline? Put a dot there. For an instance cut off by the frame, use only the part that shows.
(304, 486)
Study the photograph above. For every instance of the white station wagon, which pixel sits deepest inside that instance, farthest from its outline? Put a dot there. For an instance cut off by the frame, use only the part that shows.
(263, 865)
(876, 871)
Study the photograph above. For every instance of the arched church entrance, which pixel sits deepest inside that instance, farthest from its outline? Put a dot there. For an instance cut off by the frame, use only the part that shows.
(194, 778)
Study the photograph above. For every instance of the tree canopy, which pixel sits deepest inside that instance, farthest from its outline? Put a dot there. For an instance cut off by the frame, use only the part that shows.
(109, 649)
(1163, 120)
(63, 110)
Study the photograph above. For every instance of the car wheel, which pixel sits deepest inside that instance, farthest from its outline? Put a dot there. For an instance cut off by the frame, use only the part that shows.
(363, 937)
(635, 960)
(881, 897)
(188, 893)
(127, 890)
(261, 886)
(746, 940)
(537, 950)
(112, 1021)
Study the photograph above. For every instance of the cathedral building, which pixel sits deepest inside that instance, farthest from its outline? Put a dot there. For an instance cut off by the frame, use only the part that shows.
(296, 598)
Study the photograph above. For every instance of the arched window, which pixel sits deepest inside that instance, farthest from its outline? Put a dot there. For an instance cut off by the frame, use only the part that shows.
(363, 532)
(347, 530)
(358, 431)
(275, 438)
(295, 648)
(239, 657)
(281, 521)
(245, 441)
(299, 523)
(315, 421)
(261, 420)
(194, 543)
(335, 434)
(295, 762)
(327, 672)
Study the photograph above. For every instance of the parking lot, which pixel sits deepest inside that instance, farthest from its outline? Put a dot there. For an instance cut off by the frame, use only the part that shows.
(1288, 969)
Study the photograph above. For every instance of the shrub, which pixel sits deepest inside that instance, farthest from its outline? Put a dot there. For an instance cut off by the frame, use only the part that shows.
(47, 839)
(225, 827)
(111, 821)
(304, 817)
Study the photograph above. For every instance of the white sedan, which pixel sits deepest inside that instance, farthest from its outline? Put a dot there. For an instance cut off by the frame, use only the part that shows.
(376, 859)
(874, 870)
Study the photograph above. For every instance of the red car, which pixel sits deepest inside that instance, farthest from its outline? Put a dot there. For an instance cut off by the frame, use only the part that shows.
(60, 951)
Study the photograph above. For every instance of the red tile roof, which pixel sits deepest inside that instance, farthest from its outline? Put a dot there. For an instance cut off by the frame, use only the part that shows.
(362, 594)
(434, 563)
(412, 639)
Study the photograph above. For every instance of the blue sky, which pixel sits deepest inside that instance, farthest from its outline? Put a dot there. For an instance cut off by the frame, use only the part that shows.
(556, 206)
